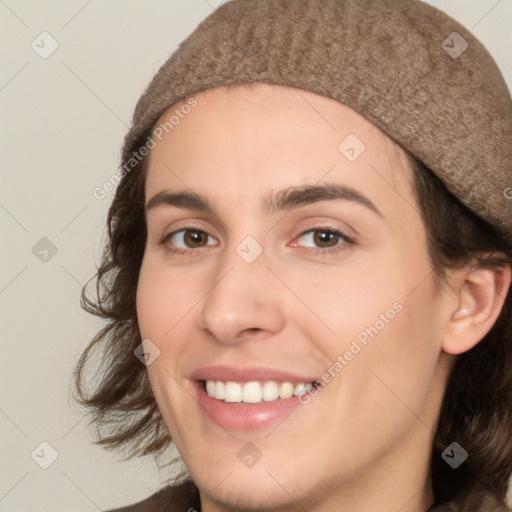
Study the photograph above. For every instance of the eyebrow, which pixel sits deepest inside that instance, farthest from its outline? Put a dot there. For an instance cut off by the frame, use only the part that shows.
(286, 199)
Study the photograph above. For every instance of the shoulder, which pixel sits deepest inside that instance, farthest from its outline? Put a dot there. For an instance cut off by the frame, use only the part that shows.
(183, 497)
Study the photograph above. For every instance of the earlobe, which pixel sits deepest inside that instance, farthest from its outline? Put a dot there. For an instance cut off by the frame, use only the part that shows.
(481, 295)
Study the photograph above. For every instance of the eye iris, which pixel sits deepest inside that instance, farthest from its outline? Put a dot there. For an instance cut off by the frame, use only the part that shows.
(330, 237)
(193, 236)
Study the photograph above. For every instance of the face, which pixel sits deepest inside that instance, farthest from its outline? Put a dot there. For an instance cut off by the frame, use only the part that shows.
(304, 260)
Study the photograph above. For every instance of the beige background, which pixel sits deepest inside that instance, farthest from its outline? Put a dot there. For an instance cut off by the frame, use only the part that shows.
(63, 119)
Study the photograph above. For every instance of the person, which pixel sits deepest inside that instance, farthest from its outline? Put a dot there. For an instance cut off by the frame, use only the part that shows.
(307, 276)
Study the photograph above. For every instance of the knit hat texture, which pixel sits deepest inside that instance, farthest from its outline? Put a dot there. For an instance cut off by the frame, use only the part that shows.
(410, 69)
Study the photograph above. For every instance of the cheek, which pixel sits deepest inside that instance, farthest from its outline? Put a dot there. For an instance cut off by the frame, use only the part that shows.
(162, 300)
(162, 305)
(377, 328)
(387, 386)
(345, 303)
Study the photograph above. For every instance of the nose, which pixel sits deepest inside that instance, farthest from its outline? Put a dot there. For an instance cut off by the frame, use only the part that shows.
(242, 301)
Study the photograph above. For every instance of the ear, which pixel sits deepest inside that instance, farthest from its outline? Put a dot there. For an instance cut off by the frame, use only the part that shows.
(480, 293)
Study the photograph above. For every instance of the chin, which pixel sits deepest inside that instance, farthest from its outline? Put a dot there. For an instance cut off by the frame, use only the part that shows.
(248, 493)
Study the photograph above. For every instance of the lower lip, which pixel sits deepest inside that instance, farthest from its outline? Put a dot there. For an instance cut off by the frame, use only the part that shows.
(243, 416)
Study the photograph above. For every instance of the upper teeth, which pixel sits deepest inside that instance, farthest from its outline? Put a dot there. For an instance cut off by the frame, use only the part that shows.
(254, 392)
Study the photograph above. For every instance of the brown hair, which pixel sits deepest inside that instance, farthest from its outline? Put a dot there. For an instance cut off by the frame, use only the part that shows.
(476, 410)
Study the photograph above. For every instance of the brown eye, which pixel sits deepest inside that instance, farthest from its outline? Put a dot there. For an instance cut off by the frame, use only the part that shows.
(188, 238)
(194, 238)
(324, 238)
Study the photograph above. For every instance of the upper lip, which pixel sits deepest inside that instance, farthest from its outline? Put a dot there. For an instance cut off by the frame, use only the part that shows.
(246, 374)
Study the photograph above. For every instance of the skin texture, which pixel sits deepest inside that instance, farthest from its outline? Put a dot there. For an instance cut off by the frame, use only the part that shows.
(363, 443)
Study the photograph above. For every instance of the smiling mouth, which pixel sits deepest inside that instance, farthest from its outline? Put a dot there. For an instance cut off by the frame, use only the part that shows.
(254, 392)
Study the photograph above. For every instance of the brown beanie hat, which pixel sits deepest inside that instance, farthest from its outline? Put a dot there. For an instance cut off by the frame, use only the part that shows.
(410, 69)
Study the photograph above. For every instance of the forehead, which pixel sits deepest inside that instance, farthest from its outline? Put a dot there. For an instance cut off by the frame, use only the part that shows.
(265, 137)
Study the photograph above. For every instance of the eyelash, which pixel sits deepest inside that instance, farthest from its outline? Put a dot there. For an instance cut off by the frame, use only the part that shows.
(324, 252)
